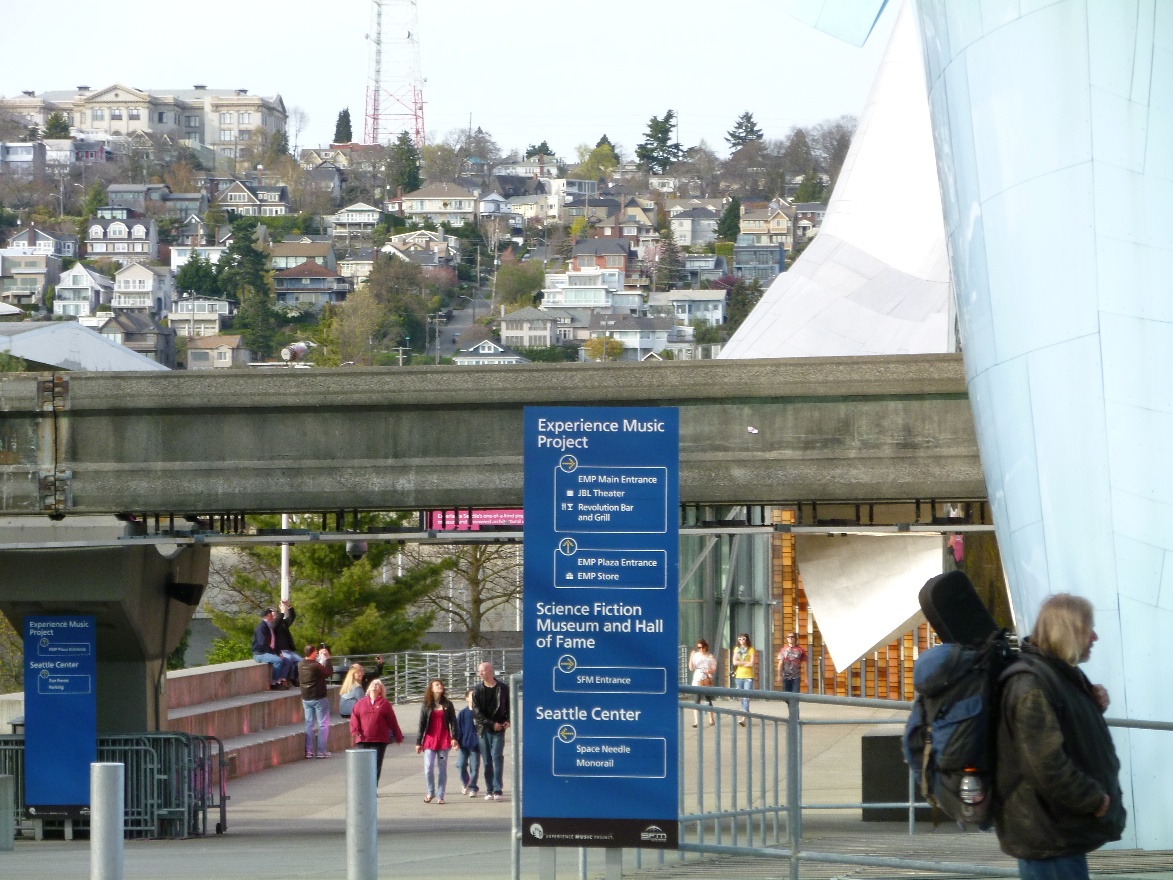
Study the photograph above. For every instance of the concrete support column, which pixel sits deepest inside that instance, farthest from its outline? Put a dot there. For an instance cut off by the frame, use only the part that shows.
(7, 813)
(362, 828)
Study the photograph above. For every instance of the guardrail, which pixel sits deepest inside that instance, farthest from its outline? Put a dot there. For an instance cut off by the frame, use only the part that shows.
(172, 783)
(748, 782)
(406, 673)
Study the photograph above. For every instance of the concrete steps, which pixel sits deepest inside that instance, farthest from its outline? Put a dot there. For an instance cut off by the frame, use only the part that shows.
(259, 728)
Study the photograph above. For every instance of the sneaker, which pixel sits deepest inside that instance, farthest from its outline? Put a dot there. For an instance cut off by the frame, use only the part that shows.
(464, 790)
(488, 797)
(325, 755)
(498, 797)
(309, 755)
(473, 793)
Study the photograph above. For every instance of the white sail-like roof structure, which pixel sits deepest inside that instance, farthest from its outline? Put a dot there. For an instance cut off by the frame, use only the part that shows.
(875, 280)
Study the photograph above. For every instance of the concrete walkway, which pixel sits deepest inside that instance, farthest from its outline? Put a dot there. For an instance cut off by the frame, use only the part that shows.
(289, 822)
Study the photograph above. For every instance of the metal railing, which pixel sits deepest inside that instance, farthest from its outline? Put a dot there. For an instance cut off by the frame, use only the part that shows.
(406, 673)
(173, 781)
(745, 797)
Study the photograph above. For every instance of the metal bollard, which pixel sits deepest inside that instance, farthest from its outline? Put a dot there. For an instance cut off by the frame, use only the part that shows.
(7, 813)
(107, 821)
(362, 828)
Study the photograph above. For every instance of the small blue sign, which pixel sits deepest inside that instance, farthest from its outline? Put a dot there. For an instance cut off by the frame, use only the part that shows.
(601, 611)
(60, 714)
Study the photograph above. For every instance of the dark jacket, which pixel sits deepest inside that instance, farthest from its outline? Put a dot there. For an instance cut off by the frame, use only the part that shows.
(313, 677)
(281, 634)
(490, 705)
(466, 731)
(1056, 761)
(449, 720)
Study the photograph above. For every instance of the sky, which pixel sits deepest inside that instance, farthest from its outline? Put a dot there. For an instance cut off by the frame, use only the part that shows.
(526, 71)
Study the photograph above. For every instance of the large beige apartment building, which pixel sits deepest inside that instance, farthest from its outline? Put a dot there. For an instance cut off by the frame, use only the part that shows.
(225, 120)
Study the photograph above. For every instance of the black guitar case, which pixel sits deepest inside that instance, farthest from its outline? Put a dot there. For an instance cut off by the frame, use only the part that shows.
(953, 608)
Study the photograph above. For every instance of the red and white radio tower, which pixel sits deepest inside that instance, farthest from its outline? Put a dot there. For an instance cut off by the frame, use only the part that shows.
(395, 95)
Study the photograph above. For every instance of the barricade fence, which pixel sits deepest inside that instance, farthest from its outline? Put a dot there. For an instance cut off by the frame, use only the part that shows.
(171, 783)
(745, 784)
(406, 673)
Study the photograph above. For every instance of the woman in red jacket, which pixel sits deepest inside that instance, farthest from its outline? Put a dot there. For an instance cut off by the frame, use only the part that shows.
(373, 724)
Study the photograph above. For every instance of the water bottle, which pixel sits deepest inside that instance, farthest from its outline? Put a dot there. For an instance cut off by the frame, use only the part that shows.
(971, 791)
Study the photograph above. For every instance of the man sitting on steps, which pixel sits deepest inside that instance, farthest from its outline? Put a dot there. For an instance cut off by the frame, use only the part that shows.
(273, 644)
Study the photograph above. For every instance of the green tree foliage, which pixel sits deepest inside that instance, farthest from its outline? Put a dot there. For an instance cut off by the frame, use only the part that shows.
(596, 163)
(255, 320)
(95, 198)
(603, 348)
(517, 282)
(243, 264)
(553, 354)
(744, 130)
(704, 333)
(11, 658)
(354, 606)
(342, 132)
(797, 156)
(275, 148)
(404, 165)
(811, 189)
(542, 149)
(729, 224)
(659, 151)
(10, 363)
(177, 659)
(56, 125)
(198, 276)
(743, 296)
(670, 266)
(400, 289)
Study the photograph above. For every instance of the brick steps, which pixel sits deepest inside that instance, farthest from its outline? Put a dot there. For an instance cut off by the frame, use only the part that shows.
(259, 728)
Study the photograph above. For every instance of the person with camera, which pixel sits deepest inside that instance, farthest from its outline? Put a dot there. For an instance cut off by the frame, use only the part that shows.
(315, 671)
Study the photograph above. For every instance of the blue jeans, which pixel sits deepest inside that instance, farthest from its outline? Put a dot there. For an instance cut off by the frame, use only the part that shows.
(436, 771)
(493, 754)
(282, 668)
(745, 684)
(468, 762)
(317, 717)
(790, 685)
(1060, 868)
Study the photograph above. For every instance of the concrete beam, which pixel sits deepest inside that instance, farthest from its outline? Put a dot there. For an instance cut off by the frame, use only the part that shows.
(827, 429)
(130, 592)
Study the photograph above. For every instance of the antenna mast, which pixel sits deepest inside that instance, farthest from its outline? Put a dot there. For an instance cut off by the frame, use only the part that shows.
(395, 96)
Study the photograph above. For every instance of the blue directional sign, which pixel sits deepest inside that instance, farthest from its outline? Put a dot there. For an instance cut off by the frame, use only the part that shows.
(601, 609)
(60, 714)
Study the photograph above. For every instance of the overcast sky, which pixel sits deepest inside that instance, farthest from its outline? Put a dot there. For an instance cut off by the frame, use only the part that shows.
(526, 71)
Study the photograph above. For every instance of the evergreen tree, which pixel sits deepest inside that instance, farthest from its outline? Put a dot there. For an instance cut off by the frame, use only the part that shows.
(243, 264)
(339, 600)
(729, 226)
(605, 141)
(743, 296)
(542, 149)
(95, 198)
(56, 125)
(658, 151)
(197, 276)
(744, 131)
(811, 189)
(403, 165)
(342, 133)
(255, 320)
(670, 266)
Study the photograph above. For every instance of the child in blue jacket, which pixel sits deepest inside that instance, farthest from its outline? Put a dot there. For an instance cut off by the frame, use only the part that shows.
(468, 762)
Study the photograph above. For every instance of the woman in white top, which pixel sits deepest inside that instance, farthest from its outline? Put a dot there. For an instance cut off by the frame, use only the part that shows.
(703, 666)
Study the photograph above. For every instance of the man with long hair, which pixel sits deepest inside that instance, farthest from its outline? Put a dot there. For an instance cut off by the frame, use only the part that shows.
(1057, 788)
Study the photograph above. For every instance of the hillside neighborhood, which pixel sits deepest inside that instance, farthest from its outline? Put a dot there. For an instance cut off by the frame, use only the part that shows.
(184, 228)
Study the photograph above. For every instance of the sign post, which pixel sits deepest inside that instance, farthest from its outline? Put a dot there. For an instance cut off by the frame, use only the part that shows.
(60, 715)
(601, 610)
